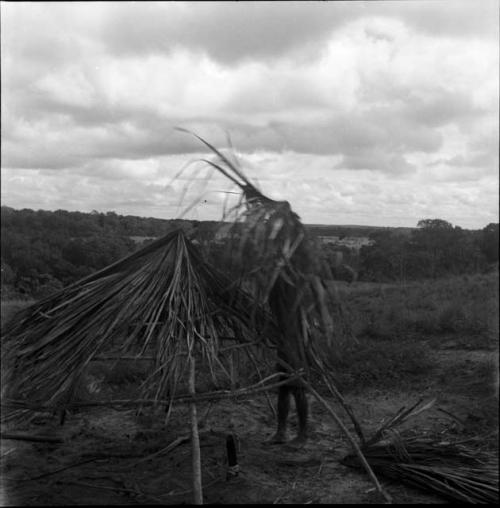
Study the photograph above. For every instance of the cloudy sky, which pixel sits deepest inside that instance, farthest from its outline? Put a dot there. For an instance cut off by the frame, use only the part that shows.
(375, 113)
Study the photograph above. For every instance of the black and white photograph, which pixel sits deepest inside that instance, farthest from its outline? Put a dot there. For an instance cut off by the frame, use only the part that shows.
(249, 252)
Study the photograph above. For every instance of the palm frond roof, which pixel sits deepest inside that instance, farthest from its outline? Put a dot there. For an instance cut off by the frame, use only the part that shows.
(163, 299)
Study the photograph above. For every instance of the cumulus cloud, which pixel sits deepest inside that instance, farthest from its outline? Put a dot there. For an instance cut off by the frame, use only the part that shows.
(255, 31)
(312, 92)
(248, 31)
(396, 164)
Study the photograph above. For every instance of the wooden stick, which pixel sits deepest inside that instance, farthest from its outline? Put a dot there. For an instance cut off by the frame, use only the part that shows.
(174, 444)
(195, 438)
(355, 445)
(232, 457)
(347, 408)
(102, 487)
(232, 373)
(269, 402)
(131, 358)
(50, 473)
(179, 399)
(30, 437)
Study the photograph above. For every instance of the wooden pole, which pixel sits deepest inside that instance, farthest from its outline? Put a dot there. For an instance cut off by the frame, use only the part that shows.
(232, 370)
(357, 449)
(232, 457)
(195, 438)
(252, 359)
(179, 399)
(23, 436)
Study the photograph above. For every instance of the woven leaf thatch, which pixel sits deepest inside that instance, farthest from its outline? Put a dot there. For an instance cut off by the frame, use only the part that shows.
(285, 269)
(163, 299)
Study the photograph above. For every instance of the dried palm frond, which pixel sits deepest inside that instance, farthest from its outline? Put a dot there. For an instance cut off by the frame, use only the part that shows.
(401, 416)
(164, 300)
(284, 268)
(455, 469)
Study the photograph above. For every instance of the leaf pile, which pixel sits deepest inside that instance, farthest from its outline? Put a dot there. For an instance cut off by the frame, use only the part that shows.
(457, 470)
(453, 470)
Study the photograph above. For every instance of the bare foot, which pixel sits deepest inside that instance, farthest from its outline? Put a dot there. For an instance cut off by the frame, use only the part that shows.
(298, 442)
(278, 438)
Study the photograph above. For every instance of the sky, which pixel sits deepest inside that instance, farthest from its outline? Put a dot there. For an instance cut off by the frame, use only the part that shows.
(375, 113)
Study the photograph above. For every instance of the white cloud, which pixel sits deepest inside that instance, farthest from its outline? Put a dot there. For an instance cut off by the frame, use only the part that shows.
(319, 97)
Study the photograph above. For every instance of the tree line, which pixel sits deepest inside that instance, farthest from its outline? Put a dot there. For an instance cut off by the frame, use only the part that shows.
(434, 249)
(43, 251)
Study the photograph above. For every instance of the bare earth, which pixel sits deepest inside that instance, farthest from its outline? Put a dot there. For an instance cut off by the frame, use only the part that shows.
(101, 461)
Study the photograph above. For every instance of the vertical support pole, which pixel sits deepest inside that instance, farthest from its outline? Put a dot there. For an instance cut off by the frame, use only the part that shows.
(195, 438)
(232, 370)
(233, 468)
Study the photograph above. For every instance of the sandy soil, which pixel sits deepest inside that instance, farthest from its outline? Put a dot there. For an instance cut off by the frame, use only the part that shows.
(112, 457)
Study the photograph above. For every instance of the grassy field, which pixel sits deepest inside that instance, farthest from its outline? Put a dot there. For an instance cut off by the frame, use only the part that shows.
(400, 332)
(398, 327)
(465, 305)
(431, 337)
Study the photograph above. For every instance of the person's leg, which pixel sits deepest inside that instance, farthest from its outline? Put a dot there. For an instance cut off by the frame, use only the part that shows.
(283, 409)
(301, 405)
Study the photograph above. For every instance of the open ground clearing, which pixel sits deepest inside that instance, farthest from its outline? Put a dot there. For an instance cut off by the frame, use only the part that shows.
(118, 442)
(414, 343)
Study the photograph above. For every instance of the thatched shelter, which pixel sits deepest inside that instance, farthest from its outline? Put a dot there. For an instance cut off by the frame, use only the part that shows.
(163, 301)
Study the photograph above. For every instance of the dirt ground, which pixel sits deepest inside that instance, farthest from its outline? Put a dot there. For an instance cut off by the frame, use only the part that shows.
(111, 457)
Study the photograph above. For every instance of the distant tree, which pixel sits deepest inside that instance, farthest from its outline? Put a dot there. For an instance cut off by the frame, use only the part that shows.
(385, 260)
(433, 237)
(489, 242)
(75, 252)
(66, 272)
(448, 250)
